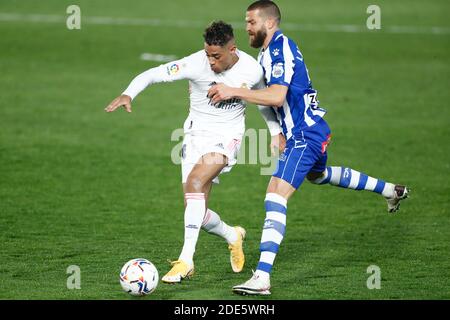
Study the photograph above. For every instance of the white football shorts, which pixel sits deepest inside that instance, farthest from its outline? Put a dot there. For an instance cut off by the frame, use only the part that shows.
(198, 143)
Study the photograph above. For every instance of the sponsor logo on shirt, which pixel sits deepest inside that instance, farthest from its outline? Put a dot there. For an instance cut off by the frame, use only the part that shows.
(229, 104)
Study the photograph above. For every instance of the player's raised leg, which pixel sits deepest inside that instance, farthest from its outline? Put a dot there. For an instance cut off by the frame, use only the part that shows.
(351, 179)
(212, 223)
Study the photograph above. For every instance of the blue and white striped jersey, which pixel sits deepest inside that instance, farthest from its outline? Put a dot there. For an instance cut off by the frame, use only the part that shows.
(283, 64)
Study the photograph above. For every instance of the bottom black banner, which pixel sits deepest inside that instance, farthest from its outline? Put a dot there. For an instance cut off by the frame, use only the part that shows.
(220, 309)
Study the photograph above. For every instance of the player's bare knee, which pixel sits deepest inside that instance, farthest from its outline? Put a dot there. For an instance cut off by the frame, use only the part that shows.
(195, 183)
(280, 187)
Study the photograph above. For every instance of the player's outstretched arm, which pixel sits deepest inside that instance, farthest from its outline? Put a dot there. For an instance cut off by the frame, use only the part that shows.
(122, 100)
(273, 95)
(186, 68)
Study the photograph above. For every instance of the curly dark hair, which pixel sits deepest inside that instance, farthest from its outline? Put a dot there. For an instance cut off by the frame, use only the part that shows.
(218, 33)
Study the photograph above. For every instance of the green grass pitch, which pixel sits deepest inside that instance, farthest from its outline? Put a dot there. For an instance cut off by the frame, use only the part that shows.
(82, 187)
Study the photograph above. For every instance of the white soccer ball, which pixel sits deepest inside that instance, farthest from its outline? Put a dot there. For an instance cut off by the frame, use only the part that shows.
(139, 277)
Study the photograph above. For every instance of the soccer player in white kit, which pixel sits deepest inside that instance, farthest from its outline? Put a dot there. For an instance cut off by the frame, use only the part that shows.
(213, 134)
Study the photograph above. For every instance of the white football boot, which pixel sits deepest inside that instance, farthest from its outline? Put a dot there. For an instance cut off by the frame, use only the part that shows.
(257, 285)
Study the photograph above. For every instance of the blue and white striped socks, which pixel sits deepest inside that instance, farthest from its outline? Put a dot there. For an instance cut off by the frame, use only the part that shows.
(276, 208)
(273, 231)
(351, 179)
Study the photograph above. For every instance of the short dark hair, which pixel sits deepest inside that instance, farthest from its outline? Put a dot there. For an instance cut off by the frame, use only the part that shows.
(269, 7)
(218, 33)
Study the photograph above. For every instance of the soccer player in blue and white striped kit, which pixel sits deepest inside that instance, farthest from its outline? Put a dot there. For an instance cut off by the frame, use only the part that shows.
(289, 91)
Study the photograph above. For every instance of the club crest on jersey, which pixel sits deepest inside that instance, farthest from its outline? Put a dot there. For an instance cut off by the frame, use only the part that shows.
(276, 52)
(278, 70)
(173, 69)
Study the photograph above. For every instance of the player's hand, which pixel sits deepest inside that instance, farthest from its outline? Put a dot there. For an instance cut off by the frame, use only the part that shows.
(277, 144)
(120, 101)
(220, 92)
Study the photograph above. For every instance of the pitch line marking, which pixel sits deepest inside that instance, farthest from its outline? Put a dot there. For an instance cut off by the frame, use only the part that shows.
(48, 18)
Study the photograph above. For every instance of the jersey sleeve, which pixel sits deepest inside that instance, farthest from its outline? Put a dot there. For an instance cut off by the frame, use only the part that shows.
(184, 68)
(282, 65)
(267, 113)
(271, 120)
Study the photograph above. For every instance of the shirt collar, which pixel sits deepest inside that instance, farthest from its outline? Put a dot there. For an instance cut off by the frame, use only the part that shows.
(275, 35)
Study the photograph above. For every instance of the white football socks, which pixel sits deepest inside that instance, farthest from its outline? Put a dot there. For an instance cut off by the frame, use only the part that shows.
(193, 217)
(214, 225)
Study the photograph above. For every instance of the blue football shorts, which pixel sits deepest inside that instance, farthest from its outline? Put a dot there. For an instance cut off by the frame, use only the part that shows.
(304, 153)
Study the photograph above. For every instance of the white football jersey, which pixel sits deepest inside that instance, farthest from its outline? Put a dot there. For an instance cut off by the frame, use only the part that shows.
(224, 117)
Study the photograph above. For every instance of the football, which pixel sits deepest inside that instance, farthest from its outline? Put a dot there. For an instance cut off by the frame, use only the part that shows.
(139, 277)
